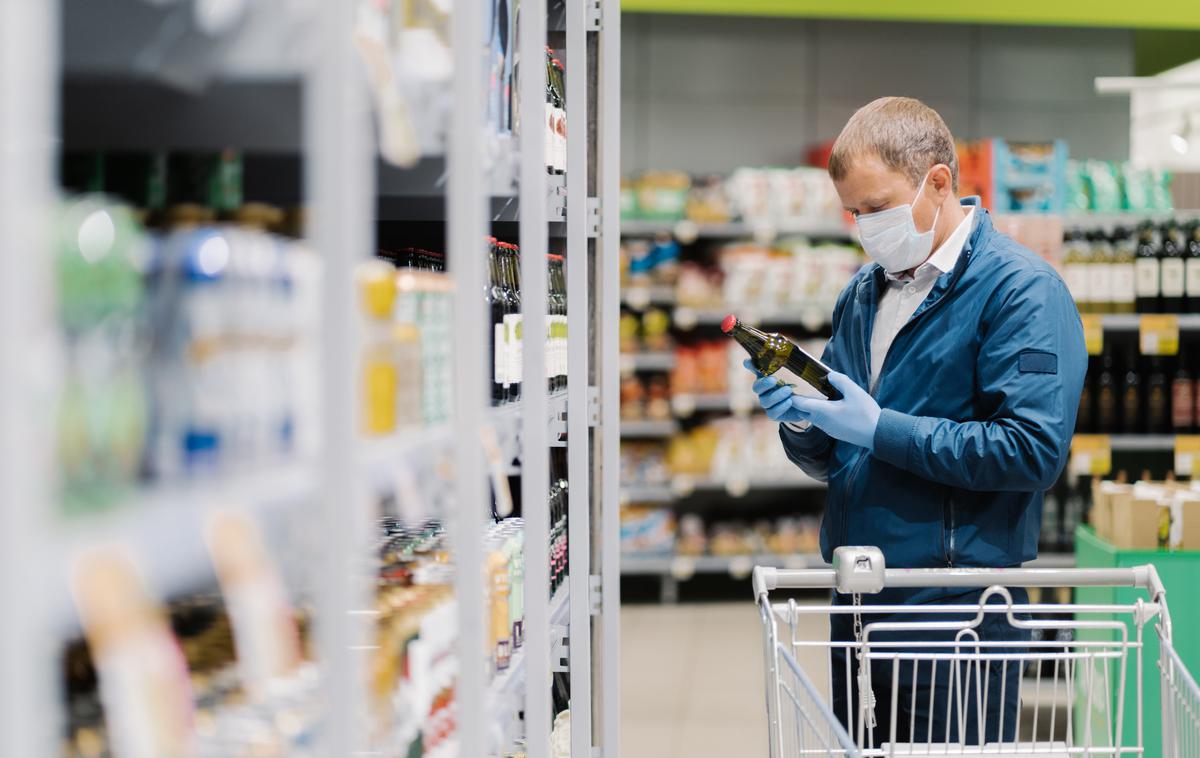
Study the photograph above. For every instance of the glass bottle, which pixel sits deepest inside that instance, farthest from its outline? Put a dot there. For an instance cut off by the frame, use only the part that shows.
(1173, 269)
(774, 354)
(1148, 272)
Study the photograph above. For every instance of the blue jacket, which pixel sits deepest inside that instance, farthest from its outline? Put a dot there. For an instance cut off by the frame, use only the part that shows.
(979, 394)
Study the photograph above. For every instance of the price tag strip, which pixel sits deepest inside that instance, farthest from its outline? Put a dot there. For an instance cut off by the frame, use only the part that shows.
(1091, 455)
(1093, 333)
(1187, 452)
(1159, 334)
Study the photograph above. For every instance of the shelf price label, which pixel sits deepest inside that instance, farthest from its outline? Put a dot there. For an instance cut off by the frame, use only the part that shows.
(1159, 334)
(1093, 333)
(1091, 455)
(1187, 453)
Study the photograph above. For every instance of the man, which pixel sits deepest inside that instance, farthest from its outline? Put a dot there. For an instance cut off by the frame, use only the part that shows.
(960, 356)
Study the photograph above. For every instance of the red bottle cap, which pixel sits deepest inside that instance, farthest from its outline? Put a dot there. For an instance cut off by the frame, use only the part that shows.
(728, 324)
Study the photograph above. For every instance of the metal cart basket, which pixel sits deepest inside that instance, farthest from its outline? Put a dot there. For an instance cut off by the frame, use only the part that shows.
(935, 679)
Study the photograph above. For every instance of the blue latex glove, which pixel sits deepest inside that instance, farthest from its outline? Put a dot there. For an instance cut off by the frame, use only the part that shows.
(852, 419)
(775, 397)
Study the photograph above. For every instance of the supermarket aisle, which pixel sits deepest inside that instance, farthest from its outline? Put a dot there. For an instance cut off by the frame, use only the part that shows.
(691, 681)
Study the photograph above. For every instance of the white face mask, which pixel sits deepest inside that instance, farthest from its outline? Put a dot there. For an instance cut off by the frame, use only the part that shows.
(891, 238)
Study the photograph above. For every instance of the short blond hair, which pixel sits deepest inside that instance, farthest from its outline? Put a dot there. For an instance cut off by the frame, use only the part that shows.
(906, 134)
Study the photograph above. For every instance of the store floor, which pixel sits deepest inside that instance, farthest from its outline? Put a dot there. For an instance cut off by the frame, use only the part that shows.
(692, 680)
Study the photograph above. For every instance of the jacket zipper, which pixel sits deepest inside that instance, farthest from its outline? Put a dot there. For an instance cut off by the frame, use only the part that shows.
(948, 530)
(873, 391)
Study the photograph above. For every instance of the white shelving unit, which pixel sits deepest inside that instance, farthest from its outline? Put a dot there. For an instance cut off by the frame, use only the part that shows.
(686, 230)
(296, 62)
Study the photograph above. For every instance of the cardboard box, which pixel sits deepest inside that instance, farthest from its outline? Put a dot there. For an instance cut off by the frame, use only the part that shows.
(1101, 513)
(1134, 519)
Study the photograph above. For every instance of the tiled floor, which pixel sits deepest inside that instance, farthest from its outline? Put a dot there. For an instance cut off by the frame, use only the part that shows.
(692, 681)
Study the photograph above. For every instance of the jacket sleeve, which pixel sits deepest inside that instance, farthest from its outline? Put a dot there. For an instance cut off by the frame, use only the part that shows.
(1030, 371)
(810, 449)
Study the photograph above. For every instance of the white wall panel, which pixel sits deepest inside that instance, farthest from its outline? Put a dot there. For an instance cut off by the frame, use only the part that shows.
(712, 93)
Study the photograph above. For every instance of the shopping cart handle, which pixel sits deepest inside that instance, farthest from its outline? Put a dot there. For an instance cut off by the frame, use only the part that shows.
(860, 569)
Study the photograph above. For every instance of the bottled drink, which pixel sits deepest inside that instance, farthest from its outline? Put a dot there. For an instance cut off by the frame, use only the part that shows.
(1100, 273)
(513, 319)
(1158, 401)
(497, 304)
(1085, 421)
(1131, 397)
(1124, 278)
(1106, 395)
(1173, 269)
(1183, 397)
(1192, 267)
(556, 352)
(1148, 271)
(1075, 269)
(560, 127)
(774, 354)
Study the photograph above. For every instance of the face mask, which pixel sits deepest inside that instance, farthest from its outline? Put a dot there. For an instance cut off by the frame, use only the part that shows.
(891, 238)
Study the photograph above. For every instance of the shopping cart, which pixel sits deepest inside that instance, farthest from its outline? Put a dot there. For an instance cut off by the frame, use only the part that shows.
(1071, 664)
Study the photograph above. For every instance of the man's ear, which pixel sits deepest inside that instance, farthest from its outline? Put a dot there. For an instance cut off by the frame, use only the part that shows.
(942, 180)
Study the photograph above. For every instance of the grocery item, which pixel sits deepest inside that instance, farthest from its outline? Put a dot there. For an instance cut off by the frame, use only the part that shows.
(775, 355)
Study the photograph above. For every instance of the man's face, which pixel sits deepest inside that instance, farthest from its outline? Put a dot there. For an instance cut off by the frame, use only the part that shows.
(871, 186)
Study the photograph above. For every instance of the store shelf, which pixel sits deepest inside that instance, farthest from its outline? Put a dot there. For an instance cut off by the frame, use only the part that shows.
(662, 361)
(1126, 219)
(647, 494)
(714, 316)
(1052, 561)
(685, 566)
(686, 230)
(648, 429)
(1129, 322)
(163, 528)
(685, 405)
(1044, 696)
(1131, 443)
(684, 485)
(642, 296)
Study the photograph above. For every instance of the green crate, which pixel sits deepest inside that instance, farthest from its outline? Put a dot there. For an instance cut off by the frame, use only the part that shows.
(1178, 570)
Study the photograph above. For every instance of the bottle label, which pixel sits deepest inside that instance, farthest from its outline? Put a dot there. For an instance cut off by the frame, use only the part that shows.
(1193, 277)
(500, 356)
(551, 136)
(1124, 285)
(1147, 270)
(1076, 277)
(1172, 277)
(1100, 282)
(1182, 403)
(516, 366)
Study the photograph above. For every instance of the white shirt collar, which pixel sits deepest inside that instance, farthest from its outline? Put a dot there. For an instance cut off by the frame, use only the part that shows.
(946, 256)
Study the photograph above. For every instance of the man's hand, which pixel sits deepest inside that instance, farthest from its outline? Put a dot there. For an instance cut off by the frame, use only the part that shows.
(852, 419)
(775, 397)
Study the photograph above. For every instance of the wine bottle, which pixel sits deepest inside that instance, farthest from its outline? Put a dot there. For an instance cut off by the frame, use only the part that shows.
(1174, 269)
(1158, 402)
(1131, 397)
(1106, 395)
(1191, 262)
(1183, 397)
(774, 354)
(1085, 421)
(1148, 271)
(1124, 277)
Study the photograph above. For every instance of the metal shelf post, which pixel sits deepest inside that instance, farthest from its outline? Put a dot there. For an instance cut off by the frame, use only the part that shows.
(609, 170)
(579, 443)
(29, 54)
(466, 230)
(535, 460)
